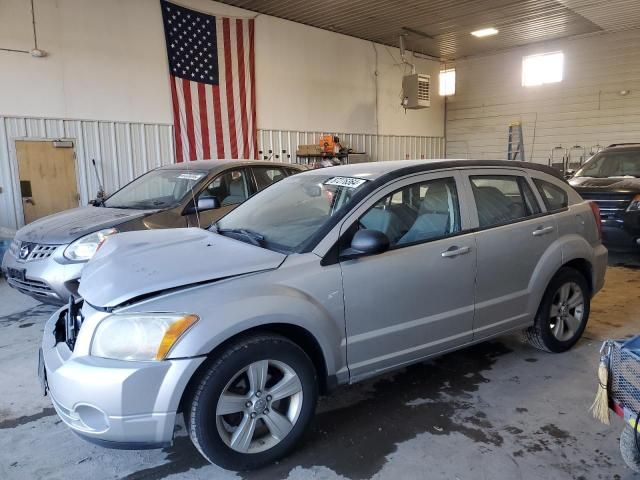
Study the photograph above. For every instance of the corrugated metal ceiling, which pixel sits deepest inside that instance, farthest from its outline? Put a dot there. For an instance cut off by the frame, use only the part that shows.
(441, 28)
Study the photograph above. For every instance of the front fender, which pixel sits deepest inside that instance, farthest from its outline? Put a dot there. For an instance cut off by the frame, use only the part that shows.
(229, 308)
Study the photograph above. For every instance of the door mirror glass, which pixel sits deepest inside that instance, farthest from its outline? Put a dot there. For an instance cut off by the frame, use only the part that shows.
(204, 204)
(366, 242)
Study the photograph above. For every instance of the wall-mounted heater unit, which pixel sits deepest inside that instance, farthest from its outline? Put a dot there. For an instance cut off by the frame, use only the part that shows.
(416, 91)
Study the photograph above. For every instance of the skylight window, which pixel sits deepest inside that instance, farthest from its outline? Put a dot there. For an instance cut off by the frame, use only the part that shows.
(542, 69)
(447, 84)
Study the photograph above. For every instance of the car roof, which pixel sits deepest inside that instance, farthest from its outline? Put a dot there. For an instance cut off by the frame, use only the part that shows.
(622, 146)
(374, 170)
(223, 164)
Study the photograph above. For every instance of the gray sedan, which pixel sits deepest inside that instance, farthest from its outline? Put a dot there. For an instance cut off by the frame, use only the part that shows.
(326, 278)
(47, 256)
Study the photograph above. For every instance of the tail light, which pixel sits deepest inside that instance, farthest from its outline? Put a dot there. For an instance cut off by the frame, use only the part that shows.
(596, 215)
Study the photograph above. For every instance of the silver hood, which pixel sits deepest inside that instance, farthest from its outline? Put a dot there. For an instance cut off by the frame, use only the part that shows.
(65, 227)
(137, 263)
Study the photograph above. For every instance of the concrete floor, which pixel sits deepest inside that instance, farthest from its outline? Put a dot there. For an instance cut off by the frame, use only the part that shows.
(501, 410)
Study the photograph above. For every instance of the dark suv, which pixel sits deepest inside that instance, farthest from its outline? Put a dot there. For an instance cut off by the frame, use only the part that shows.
(611, 178)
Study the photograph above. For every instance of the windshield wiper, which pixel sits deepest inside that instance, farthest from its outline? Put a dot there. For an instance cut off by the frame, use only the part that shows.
(254, 238)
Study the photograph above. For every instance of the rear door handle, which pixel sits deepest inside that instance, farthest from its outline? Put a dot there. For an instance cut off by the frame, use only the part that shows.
(455, 251)
(542, 231)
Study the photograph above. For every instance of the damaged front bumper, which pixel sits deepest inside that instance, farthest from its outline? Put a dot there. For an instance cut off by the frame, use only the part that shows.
(114, 403)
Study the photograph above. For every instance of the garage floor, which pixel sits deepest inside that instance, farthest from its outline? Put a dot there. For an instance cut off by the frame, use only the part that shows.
(501, 410)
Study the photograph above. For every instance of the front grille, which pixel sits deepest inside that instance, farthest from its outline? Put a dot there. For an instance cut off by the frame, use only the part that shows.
(28, 252)
(611, 206)
(35, 287)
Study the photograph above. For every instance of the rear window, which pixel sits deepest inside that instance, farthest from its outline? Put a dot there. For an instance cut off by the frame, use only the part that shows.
(502, 199)
(554, 197)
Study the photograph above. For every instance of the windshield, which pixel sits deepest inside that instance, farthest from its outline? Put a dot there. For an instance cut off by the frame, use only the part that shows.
(612, 164)
(163, 188)
(286, 215)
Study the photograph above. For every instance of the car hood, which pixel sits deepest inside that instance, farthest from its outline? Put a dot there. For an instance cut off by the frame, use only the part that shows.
(65, 227)
(132, 264)
(612, 184)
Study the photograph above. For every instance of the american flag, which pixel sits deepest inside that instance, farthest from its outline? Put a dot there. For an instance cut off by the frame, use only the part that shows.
(212, 73)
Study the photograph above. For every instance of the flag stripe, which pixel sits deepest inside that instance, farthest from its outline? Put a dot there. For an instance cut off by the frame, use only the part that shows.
(212, 82)
(252, 68)
(204, 121)
(183, 120)
(222, 85)
(176, 119)
(218, 113)
(197, 128)
(243, 91)
(229, 79)
(188, 110)
(237, 116)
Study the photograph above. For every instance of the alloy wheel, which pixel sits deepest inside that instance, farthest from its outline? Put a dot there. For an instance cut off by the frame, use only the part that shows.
(259, 406)
(567, 311)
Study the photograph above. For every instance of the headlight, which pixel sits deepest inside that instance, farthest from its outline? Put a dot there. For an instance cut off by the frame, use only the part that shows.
(139, 336)
(14, 247)
(634, 206)
(85, 247)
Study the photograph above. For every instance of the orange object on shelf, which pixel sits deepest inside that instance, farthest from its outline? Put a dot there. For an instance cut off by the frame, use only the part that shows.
(329, 144)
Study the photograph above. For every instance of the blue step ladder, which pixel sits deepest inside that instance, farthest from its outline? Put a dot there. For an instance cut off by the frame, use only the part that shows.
(515, 147)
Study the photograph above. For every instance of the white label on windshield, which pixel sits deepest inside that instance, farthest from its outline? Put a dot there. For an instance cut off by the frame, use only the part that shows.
(191, 176)
(348, 182)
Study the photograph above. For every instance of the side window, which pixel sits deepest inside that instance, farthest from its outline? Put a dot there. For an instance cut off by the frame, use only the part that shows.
(502, 199)
(229, 188)
(554, 197)
(416, 213)
(265, 176)
(291, 171)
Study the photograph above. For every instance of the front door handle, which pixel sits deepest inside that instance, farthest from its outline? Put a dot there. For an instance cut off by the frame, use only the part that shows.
(542, 231)
(455, 251)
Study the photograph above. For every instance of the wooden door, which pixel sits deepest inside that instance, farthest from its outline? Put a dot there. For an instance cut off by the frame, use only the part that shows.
(47, 178)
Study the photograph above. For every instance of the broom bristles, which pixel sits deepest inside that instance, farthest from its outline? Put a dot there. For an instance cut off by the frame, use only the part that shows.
(600, 406)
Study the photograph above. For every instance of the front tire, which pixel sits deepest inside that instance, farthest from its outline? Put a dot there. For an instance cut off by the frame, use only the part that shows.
(253, 402)
(563, 312)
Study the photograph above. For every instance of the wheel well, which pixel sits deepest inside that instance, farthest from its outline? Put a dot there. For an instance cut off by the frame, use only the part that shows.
(298, 335)
(584, 267)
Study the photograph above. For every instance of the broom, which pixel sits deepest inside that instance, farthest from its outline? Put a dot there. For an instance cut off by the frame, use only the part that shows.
(600, 406)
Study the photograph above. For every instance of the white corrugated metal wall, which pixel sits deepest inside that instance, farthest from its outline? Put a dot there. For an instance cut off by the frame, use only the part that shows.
(281, 145)
(123, 151)
(585, 109)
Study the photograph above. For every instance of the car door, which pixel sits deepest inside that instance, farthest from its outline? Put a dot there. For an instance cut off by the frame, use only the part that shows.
(415, 299)
(513, 233)
(231, 188)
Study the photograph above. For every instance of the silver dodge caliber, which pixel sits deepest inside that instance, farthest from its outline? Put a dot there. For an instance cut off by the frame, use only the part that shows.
(325, 278)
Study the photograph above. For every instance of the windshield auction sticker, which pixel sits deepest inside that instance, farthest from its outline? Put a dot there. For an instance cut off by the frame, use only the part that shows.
(348, 182)
(191, 176)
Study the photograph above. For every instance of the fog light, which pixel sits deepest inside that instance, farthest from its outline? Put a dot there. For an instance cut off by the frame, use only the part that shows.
(93, 418)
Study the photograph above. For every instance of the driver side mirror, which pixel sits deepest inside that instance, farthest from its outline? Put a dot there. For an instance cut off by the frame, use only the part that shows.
(569, 173)
(366, 242)
(204, 204)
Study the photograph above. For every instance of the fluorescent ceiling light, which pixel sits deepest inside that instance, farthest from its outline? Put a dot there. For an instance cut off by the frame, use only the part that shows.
(484, 32)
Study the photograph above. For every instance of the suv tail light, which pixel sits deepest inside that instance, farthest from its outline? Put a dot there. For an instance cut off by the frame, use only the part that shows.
(596, 214)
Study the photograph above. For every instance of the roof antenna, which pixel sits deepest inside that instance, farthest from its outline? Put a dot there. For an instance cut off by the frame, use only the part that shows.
(100, 196)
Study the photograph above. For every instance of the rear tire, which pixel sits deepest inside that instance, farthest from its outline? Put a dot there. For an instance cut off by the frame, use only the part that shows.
(253, 402)
(563, 313)
(628, 449)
